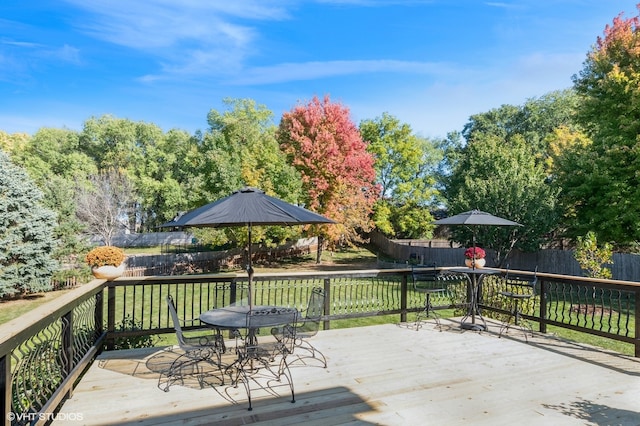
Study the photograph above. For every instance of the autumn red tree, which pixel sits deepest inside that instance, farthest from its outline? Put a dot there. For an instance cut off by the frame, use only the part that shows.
(326, 148)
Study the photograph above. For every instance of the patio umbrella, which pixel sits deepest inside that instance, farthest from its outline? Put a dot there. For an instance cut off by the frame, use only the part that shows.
(247, 207)
(475, 218)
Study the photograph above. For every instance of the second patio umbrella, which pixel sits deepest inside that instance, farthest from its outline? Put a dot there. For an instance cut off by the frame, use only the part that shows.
(475, 218)
(247, 207)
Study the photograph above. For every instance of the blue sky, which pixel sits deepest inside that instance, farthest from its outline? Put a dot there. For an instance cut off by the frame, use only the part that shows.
(431, 64)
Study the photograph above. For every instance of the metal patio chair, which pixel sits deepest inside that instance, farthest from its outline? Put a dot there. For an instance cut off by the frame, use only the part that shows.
(308, 327)
(263, 359)
(427, 282)
(198, 350)
(518, 290)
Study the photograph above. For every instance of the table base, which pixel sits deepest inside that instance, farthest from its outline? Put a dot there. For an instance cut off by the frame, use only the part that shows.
(471, 326)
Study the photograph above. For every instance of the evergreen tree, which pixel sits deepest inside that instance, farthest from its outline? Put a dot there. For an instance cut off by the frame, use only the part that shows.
(26, 233)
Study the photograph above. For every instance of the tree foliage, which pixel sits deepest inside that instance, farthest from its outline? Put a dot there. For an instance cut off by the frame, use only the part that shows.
(151, 160)
(54, 160)
(337, 173)
(606, 196)
(238, 150)
(593, 259)
(405, 166)
(500, 172)
(26, 233)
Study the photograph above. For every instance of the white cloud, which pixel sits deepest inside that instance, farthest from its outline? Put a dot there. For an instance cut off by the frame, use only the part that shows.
(287, 72)
(187, 37)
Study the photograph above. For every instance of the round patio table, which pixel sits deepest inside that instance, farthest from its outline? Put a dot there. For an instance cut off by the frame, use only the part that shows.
(474, 278)
(235, 317)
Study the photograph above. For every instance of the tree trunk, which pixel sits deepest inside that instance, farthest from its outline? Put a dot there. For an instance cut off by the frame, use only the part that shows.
(319, 249)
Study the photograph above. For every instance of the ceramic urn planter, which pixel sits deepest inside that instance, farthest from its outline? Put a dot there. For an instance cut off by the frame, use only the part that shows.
(108, 272)
(479, 263)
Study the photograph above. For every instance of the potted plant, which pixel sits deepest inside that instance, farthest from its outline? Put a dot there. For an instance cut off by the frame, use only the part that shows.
(106, 262)
(475, 257)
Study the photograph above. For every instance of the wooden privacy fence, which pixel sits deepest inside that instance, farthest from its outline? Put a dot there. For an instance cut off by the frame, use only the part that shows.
(625, 267)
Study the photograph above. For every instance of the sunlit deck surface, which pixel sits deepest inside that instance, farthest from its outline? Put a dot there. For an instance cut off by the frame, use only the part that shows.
(385, 375)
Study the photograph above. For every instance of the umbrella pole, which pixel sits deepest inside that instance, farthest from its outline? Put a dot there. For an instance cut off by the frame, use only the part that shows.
(250, 270)
(473, 241)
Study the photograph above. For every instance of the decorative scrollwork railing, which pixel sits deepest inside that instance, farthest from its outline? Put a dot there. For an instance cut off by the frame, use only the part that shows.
(44, 352)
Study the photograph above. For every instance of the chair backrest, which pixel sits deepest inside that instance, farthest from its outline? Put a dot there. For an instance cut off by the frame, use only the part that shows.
(315, 309)
(524, 281)
(281, 321)
(176, 321)
(270, 317)
(425, 278)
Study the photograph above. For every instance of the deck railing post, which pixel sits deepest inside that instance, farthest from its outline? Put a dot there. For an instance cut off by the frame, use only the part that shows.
(637, 322)
(543, 307)
(403, 299)
(5, 388)
(233, 292)
(98, 316)
(327, 303)
(111, 317)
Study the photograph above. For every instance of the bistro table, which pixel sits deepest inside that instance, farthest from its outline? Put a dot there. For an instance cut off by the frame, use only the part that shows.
(238, 317)
(234, 318)
(474, 278)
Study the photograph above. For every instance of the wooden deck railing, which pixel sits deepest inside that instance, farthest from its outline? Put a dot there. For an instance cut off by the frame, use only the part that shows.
(43, 353)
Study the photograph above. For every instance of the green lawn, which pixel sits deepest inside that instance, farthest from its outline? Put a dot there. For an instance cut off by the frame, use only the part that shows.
(349, 258)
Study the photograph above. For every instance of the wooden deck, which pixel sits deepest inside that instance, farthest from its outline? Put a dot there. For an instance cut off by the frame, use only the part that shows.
(384, 375)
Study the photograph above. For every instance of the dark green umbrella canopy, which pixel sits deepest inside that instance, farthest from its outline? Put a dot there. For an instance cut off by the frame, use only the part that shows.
(475, 218)
(247, 207)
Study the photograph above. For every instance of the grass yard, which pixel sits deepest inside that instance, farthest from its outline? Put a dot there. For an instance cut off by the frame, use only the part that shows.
(356, 258)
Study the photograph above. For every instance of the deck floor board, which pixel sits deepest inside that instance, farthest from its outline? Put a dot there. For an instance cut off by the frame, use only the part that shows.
(383, 375)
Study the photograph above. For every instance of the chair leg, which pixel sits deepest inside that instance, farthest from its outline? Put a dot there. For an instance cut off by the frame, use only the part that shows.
(517, 320)
(426, 312)
(311, 353)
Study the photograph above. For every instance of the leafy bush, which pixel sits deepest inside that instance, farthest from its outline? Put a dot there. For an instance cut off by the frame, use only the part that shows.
(132, 342)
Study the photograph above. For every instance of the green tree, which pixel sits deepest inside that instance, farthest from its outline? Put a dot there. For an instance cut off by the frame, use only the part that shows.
(405, 167)
(504, 179)
(26, 233)
(534, 120)
(55, 162)
(607, 195)
(238, 150)
(160, 166)
(505, 169)
(594, 259)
